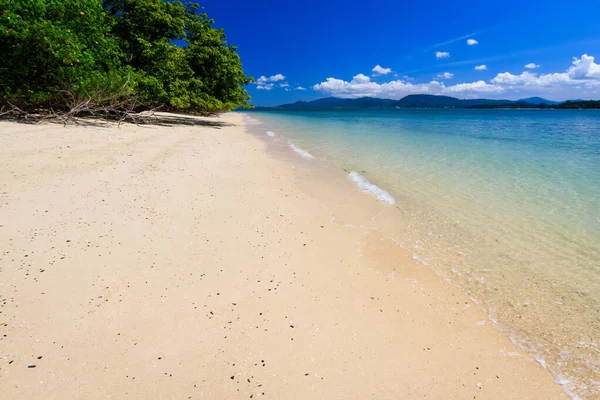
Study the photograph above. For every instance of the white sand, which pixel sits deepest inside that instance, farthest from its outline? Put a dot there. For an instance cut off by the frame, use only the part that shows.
(183, 262)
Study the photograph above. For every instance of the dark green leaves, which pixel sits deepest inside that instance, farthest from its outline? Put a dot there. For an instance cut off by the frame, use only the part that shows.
(57, 52)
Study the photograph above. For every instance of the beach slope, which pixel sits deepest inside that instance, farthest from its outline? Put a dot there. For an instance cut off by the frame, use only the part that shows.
(179, 260)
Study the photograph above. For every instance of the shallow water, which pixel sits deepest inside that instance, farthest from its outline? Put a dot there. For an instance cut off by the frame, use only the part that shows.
(503, 203)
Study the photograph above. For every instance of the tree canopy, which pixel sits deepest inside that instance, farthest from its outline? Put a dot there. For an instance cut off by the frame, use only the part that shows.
(56, 54)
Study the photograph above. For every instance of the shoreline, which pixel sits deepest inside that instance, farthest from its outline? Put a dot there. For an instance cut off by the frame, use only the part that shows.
(526, 288)
(191, 261)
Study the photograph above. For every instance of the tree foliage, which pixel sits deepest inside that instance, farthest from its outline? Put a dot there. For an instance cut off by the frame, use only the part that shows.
(579, 104)
(56, 54)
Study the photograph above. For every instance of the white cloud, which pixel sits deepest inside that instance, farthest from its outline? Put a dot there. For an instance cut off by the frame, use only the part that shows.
(477, 87)
(531, 66)
(379, 70)
(445, 75)
(360, 78)
(584, 68)
(399, 88)
(268, 86)
(442, 54)
(580, 80)
(300, 88)
(284, 85)
(263, 83)
(452, 40)
(359, 87)
(583, 71)
(481, 67)
(472, 42)
(277, 78)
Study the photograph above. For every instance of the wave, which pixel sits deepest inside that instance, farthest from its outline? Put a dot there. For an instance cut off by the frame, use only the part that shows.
(271, 133)
(300, 151)
(251, 121)
(368, 187)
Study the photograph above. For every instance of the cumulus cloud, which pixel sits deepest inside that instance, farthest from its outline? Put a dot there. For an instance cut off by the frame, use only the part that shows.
(398, 88)
(300, 88)
(581, 78)
(265, 83)
(472, 42)
(481, 67)
(584, 68)
(445, 75)
(583, 71)
(442, 54)
(359, 87)
(277, 78)
(379, 70)
(267, 86)
(531, 66)
(360, 78)
(478, 87)
(284, 85)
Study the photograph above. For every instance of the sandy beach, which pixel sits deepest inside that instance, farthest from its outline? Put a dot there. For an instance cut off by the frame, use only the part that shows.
(184, 260)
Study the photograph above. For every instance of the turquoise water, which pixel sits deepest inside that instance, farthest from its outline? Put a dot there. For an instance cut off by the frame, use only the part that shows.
(504, 203)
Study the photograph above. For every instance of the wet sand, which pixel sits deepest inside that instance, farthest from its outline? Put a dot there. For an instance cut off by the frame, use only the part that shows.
(184, 261)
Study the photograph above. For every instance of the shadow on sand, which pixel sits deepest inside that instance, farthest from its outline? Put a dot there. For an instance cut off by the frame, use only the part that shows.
(170, 120)
(144, 119)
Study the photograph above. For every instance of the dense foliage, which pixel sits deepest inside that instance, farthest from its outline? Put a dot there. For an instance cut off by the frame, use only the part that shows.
(579, 104)
(56, 54)
(569, 104)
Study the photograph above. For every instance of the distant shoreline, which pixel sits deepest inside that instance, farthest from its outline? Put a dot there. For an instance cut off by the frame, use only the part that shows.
(423, 101)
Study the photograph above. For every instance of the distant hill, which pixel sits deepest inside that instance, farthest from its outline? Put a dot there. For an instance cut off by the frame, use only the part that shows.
(335, 102)
(412, 101)
(538, 100)
(434, 101)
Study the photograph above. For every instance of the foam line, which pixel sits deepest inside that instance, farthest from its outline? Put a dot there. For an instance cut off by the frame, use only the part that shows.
(300, 151)
(368, 187)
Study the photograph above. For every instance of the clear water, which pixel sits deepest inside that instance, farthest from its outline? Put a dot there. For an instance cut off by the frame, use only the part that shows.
(504, 203)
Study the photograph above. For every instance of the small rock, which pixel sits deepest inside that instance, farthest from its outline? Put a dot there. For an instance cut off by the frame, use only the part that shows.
(31, 366)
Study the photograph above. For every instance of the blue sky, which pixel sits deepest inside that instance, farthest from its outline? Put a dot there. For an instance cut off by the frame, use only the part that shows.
(331, 48)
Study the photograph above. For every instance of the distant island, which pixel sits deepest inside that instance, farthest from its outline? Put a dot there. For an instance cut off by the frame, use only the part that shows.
(431, 101)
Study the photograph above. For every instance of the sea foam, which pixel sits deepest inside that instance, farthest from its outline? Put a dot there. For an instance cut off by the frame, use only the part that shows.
(368, 187)
(271, 133)
(300, 151)
(251, 121)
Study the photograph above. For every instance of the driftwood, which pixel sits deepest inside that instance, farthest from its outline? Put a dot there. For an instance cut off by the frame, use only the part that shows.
(103, 104)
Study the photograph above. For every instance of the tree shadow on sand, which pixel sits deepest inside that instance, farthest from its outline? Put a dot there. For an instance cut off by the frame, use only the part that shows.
(162, 119)
(171, 120)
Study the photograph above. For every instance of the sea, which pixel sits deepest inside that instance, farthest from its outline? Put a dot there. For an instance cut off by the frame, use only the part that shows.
(505, 204)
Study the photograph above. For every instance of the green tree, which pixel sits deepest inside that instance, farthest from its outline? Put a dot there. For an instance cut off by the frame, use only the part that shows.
(52, 46)
(59, 53)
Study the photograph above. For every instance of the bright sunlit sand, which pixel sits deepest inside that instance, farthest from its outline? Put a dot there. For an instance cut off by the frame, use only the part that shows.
(184, 261)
